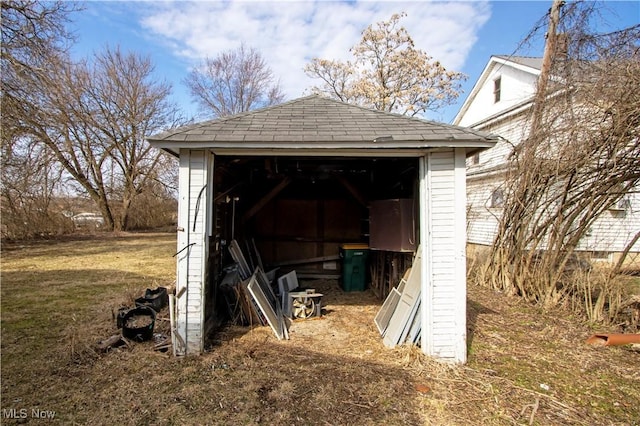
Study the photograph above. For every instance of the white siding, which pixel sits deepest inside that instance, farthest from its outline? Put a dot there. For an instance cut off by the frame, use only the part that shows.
(614, 229)
(193, 214)
(610, 233)
(443, 235)
(482, 219)
(511, 132)
(516, 87)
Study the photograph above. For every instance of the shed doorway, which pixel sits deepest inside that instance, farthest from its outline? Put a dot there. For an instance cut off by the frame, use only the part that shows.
(296, 213)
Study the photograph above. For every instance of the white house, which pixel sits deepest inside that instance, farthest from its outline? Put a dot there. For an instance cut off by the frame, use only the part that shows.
(500, 103)
(298, 178)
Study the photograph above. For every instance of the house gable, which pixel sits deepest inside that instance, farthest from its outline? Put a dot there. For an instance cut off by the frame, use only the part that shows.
(514, 77)
(510, 119)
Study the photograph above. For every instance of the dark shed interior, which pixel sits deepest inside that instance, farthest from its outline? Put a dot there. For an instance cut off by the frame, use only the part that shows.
(304, 208)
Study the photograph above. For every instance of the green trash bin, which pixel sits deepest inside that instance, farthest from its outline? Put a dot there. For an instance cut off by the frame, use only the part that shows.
(355, 266)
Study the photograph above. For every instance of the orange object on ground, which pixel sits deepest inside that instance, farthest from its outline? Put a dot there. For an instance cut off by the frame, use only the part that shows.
(613, 339)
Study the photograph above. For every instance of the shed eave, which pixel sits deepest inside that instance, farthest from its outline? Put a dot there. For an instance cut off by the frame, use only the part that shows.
(334, 147)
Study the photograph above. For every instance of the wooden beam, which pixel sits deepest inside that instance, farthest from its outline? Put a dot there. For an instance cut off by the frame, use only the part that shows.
(352, 190)
(264, 200)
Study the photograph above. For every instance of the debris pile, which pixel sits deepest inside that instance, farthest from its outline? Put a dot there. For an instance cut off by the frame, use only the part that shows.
(256, 297)
(137, 323)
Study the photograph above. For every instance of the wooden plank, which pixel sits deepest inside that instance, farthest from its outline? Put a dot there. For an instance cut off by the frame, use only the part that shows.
(415, 328)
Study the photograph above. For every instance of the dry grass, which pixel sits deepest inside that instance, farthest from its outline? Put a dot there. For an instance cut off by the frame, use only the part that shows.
(526, 366)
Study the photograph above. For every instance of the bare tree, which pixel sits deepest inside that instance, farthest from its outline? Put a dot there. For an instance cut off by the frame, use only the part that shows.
(31, 178)
(234, 81)
(388, 73)
(93, 117)
(582, 156)
(33, 36)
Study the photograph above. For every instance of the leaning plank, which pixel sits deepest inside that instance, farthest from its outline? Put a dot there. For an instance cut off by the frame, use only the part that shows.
(383, 316)
(402, 316)
(263, 303)
(238, 257)
(282, 322)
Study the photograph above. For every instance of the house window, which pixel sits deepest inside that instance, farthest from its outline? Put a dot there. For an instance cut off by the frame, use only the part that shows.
(601, 256)
(496, 89)
(497, 198)
(475, 159)
(623, 204)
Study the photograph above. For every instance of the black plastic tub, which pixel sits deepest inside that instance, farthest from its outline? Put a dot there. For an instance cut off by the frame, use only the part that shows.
(155, 299)
(122, 311)
(138, 323)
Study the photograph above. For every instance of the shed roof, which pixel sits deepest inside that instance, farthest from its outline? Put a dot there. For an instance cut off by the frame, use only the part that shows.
(315, 122)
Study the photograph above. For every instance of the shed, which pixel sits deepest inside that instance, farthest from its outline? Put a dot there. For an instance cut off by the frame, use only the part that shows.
(298, 179)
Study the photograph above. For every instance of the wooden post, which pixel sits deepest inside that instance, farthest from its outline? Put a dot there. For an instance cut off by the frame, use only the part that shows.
(550, 48)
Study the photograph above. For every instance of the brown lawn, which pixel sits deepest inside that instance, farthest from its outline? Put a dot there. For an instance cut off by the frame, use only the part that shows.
(526, 366)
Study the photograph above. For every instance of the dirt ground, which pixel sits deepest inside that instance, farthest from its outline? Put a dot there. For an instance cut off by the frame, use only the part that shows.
(526, 366)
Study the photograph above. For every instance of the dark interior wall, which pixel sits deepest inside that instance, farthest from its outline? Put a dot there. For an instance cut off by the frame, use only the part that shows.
(297, 208)
(291, 229)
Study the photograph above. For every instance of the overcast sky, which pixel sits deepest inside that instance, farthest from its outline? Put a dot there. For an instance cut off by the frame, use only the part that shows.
(178, 35)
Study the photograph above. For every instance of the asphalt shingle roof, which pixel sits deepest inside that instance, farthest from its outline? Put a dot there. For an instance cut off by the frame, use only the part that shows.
(320, 120)
(528, 61)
